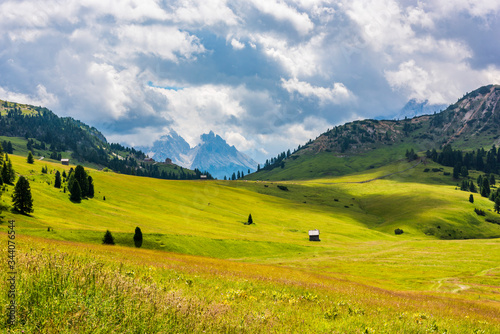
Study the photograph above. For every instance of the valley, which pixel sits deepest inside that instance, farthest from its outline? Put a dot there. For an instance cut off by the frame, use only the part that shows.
(270, 266)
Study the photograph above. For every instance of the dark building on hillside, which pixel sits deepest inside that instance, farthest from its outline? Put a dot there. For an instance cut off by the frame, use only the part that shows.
(314, 235)
(65, 162)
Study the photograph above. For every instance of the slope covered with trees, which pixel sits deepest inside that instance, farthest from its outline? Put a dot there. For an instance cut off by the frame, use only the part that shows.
(44, 131)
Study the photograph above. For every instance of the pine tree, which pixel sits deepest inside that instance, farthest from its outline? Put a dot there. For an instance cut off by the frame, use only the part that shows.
(485, 189)
(250, 220)
(492, 180)
(30, 158)
(5, 173)
(108, 238)
(22, 200)
(57, 182)
(82, 179)
(471, 198)
(138, 237)
(76, 191)
(464, 171)
(91, 187)
(10, 171)
(497, 205)
(472, 187)
(456, 171)
(9, 149)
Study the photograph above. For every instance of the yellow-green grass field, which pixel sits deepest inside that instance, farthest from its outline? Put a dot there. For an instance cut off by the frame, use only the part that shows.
(201, 268)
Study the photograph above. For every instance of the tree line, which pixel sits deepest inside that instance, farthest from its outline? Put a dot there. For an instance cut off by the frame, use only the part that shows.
(480, 159)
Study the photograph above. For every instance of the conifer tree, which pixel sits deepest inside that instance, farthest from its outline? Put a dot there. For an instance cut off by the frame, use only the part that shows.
(497, 205)
(82, 179)
(9, 149)
(108, 238)
(471, 198)
(30, 158)
(91, 187)
(76, 191)
(5, 173)
(472, 187)
(57, 182)
(138, 237)
(485, 189)
(250, 220)
(22, 200)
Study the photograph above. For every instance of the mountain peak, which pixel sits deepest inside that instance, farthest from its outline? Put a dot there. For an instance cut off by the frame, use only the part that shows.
(212, 154)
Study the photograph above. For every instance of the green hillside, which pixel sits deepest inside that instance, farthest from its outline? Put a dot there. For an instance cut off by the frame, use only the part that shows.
(356, 220)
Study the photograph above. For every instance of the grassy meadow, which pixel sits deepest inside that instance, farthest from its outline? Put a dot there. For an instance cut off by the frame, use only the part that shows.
(202, 269)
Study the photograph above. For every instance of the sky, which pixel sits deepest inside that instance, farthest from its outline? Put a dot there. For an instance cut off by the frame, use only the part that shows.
(266, 75)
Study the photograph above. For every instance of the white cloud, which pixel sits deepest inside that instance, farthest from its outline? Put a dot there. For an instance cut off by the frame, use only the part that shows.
(197, 110)
(238, 140)
(203, 13)
(303, 59)
(337, 94)
(237, 45)
(282, 12)
(41, 98)
(162, 41)
(429, 81)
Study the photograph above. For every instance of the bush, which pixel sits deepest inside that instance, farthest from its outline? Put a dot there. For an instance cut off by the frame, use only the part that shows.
(426, 170)
(284, 188)
(479, 212)
(398, 231)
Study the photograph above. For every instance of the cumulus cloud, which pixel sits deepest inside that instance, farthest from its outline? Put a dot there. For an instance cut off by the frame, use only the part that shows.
(40, 98)
(237, 45)
(281, 11)
(263, 74)
(337, 94)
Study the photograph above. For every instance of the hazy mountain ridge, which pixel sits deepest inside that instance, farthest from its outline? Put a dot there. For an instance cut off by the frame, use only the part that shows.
(213, 154)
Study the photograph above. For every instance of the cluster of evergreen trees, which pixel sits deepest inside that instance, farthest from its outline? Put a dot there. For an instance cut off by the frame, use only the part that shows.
(80, 184)
(7, 146)
(480, 160)
(236, 176)
(7, 173)
(275, 162)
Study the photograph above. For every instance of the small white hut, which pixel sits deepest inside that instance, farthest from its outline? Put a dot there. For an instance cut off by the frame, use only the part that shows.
(314, 235)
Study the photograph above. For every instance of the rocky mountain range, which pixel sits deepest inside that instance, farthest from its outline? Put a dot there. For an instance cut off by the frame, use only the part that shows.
(212, 154)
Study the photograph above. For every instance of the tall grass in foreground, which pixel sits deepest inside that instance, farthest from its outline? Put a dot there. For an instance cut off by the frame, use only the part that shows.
(74, 288)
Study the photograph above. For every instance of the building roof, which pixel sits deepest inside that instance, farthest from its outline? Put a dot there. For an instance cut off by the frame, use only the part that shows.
(313, 232)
